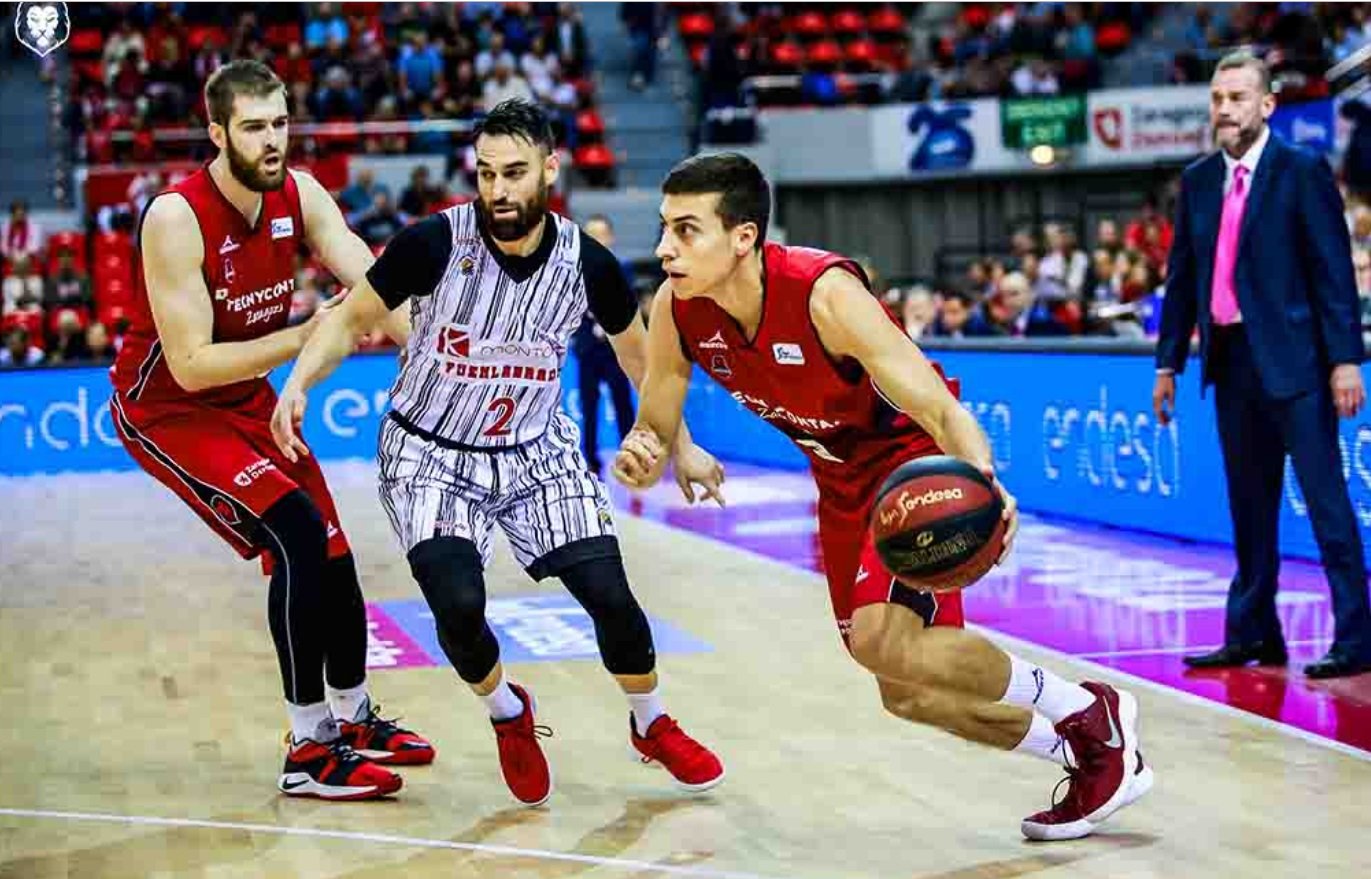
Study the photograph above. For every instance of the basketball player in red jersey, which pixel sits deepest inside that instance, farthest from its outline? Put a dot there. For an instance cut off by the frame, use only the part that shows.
(796, 336)
(192, 406)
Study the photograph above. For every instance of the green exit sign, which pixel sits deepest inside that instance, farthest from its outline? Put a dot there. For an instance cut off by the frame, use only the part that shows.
(1055, 121)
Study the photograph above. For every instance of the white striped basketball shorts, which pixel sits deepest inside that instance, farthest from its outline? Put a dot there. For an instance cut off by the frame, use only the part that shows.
(540, 493)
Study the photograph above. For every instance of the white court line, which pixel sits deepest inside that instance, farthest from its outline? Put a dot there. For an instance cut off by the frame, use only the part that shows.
(1183, 648)
(1020, 644)
(411, 841)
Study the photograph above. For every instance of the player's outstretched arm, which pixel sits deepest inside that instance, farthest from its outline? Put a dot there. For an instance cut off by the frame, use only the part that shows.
(851, 323)
(173, 253)
(339, 248)
(693, 465)
(661, 397)
(335, 339)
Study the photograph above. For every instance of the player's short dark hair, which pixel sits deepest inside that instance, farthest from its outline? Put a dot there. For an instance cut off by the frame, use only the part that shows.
(243, 77)
(520, 119)
(744, 194)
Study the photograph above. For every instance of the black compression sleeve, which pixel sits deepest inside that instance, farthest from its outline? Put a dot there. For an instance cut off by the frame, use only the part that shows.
(611, 302)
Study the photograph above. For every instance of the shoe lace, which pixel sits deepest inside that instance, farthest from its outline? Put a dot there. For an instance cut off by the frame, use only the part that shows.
(510, 730)
(383, 728)
(1086, 757)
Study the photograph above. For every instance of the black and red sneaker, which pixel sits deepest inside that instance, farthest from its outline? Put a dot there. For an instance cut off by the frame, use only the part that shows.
(1108, 773)
(522, 761)
(334, 771)
(694, 766)
(385, 742)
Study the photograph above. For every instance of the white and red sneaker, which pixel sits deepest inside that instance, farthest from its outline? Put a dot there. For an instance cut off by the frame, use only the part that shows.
(694, 766)
(385, 742)
(522, 761)
(333, 771)
(1109, 773)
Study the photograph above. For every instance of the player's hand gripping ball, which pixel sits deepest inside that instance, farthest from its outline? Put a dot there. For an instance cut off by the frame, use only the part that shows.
(939, 524)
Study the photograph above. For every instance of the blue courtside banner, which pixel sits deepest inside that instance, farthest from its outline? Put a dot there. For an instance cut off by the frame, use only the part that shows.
(1073, 434)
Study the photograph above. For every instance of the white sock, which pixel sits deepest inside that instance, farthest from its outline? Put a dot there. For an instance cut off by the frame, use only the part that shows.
(646, 708)
(502, 703)
(350, 705)
(1036, 688)
(1042, 740)
(312, 722)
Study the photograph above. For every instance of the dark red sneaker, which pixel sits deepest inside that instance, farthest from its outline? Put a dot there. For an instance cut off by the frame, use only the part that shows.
(383, 741)
(694, 766)
(521, 757)
(333, 771)
(1108, 774)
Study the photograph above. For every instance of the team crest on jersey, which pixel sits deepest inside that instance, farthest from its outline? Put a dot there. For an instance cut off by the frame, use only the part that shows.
(229, 273)
(788, 354)
(466, 265)
(718, 365)
(282, 227)
(220, 294)
(454, 341)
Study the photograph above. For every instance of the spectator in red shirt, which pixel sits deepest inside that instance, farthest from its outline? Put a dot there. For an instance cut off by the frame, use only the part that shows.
(1150, 234)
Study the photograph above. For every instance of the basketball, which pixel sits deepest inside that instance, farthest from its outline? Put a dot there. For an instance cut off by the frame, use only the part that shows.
(937, 523)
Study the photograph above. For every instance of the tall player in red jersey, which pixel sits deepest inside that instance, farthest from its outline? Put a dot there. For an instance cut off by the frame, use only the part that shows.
(796, 336)
(193, 408)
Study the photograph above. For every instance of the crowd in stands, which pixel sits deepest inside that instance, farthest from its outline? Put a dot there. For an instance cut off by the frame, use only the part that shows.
(138, 69)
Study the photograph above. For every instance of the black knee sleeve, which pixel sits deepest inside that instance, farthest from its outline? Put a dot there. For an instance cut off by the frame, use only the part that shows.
(621, 629)
(345, 629)
(293, 531)
(449, 573)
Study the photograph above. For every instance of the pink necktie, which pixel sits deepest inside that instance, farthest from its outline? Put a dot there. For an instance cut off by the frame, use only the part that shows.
(1223, 301)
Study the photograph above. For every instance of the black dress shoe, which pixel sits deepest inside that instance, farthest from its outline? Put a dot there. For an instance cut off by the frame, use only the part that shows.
(1235, 655)
(1336, 666)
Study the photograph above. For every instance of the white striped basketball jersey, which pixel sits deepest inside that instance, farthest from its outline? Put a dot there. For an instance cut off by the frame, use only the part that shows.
(484, 361)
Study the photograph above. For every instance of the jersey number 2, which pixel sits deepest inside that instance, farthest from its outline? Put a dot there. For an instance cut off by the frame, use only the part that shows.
(503, 407)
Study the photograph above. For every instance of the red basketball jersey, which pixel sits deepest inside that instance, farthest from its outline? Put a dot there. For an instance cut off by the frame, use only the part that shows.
(249, 272)
(829, 408)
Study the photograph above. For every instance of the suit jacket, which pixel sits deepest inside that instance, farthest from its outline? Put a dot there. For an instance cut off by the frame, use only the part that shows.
(1293, 276)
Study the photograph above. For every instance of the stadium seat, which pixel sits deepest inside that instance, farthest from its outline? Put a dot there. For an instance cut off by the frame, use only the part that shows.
(848, 22)
(886, 20)
(826, 54)
(696, 25)
(809, 25)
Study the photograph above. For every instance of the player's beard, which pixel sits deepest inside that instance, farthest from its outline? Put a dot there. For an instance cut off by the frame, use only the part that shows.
(526, 218)
(254, 176)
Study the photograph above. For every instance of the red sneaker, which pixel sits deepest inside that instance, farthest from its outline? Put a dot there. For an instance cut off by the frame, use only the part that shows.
(382, 741)
(333, 771)
(1108, 774)
(694, 766)
(521, 757)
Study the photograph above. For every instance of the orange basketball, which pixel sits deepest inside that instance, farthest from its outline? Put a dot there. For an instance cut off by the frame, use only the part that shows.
(937, 523)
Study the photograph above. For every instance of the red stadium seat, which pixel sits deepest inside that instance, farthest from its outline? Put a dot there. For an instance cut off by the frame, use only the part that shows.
(32, 321)
(67, 240)
(1112, 37)
(589, 124)
(787, 55)
(848, 22)
(886, 20)
(279, 36)
(861, 54)
(113, 268)
(975, 16)
(594, 157)
(113, 292)
(115, 244)
(86, 41)
(809, 24)
(825, 53)
(200, 34)
(696, 24)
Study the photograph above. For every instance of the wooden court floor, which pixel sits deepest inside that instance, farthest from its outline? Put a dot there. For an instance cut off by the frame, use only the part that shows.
(141, 735)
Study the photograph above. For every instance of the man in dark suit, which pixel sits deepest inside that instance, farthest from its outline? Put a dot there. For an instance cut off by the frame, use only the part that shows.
(1262, 262)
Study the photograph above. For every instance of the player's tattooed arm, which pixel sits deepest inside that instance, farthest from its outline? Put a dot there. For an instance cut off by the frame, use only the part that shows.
(341, 250)
(172, 256)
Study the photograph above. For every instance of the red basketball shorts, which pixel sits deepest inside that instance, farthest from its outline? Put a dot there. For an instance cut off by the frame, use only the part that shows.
(857, 576)
(224, 464)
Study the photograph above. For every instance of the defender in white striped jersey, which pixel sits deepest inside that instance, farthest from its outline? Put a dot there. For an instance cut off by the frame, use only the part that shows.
(476, 436)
